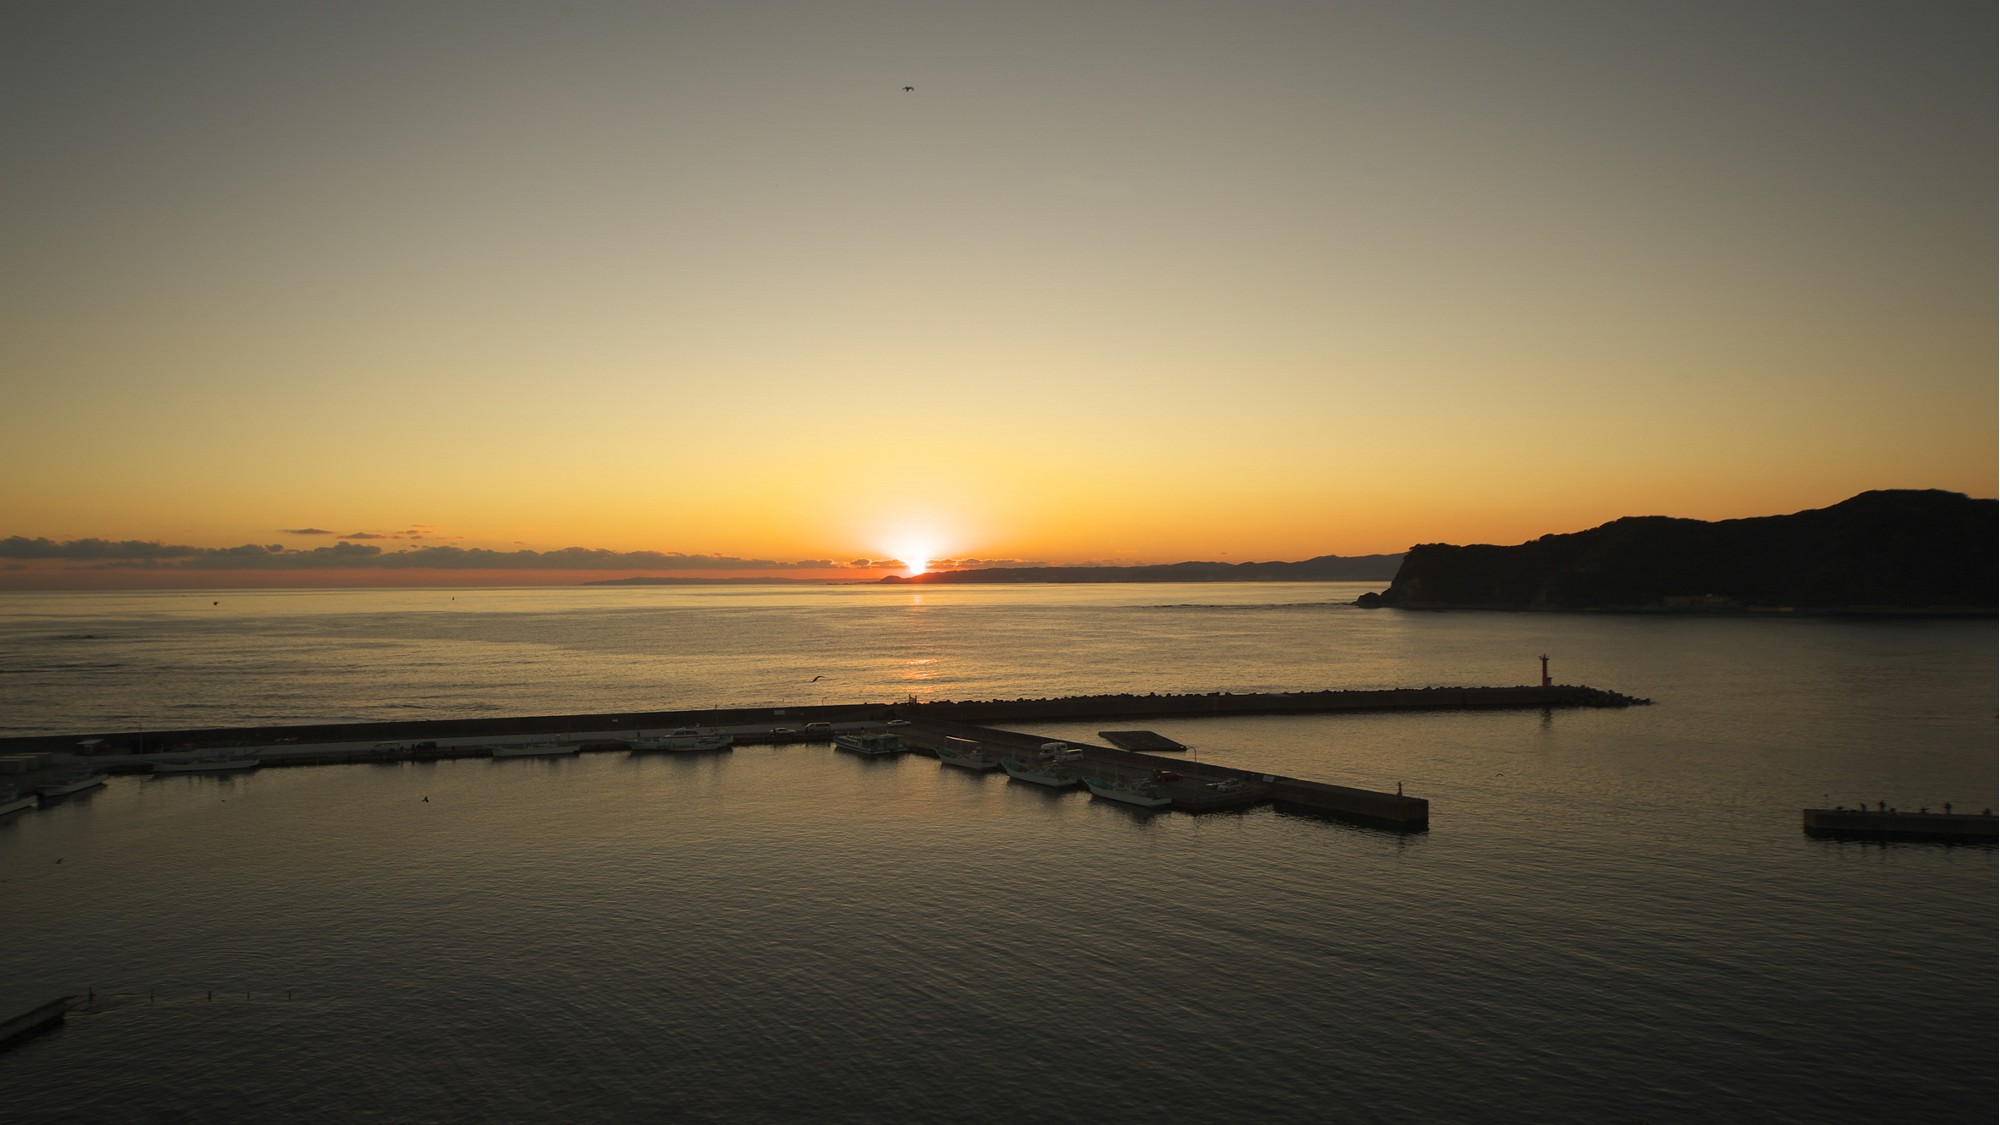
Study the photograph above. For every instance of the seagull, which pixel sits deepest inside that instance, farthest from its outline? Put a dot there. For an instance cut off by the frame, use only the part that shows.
(909, 89)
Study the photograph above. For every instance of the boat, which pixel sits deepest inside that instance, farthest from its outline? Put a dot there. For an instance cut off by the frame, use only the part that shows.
(1055, 766)
(1040, 773)
(532, 750)
(1144, 794)
(683, 740)
(13, 801)
(966, 754)
(872, 745)
(74, 782)
(212, 763)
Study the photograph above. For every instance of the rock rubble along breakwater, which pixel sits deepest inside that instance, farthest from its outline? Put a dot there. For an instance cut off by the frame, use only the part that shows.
(1273, 703)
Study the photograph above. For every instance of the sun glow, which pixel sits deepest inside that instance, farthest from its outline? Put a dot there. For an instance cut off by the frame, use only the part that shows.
(915, 556)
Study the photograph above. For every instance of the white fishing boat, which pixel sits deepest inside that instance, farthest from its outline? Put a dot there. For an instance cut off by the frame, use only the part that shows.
(13, 801)
(684, 740)
(533, 750)
(1057, 766)
(871, 745)
(75, 782)
(966, 754)
(1144, 794)
(211, 763)
(1040, 773)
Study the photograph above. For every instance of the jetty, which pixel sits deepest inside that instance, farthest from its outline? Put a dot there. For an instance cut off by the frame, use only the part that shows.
(1892, 824)
(1193, 787)
(19, 1029)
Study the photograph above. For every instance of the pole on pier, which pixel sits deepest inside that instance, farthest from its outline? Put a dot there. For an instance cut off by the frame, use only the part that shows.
(1545, 669)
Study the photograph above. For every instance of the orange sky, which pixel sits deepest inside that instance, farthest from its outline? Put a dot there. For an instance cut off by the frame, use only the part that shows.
(1116, 282)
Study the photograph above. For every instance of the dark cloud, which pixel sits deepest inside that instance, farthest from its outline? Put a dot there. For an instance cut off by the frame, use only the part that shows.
(345, 554)
(303, 531)
(364, 535)
(16, 547)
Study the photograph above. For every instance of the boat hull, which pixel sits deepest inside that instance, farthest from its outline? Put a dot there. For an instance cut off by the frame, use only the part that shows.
(977, 763)
(68, 785)
(1111, 791)
(1021, 771)
(18, 804)
(212, 765)
(869, 745)
(534, 750)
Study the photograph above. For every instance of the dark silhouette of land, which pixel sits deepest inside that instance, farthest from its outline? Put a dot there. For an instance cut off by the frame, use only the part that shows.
(1902, 551)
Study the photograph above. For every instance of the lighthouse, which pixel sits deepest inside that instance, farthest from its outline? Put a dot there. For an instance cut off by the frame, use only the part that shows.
(1545, 670)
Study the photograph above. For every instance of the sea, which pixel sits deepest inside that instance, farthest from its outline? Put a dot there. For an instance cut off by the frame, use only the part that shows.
(1614, 915)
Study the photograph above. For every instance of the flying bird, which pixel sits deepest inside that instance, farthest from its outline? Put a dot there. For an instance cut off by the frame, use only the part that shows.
(814, 680)
(909, 89)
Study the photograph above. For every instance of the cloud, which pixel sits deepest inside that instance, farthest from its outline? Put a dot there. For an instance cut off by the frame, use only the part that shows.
(363, 535)
(303, 531)
(348, 554)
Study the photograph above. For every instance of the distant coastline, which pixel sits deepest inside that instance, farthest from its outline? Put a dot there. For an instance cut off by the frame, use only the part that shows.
(1325, 568)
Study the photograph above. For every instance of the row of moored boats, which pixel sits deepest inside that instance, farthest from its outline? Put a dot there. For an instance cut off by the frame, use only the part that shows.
(1057, 765)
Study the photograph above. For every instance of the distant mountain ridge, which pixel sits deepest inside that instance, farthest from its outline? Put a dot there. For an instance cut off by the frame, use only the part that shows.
(1905, 550)
(1325, 568)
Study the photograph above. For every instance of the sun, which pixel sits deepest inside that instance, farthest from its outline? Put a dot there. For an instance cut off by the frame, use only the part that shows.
(915, 555)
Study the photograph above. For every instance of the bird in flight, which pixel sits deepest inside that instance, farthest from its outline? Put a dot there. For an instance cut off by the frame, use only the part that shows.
(909, 89)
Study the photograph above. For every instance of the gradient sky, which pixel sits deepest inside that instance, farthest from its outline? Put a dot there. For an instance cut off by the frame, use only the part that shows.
(1119, 281)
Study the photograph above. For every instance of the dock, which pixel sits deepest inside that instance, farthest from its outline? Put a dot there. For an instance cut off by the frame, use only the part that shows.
(1193, 787)
(1891, 824)
(1144, 741)
(1200, 787)
(31, 1023)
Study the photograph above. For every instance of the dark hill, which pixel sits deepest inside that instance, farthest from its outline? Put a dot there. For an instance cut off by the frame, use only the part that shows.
(1325, 568)
(1905, 550)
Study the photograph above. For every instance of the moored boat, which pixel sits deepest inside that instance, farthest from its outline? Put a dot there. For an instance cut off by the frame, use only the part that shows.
(1056, 765)
(211, 763)
(871, 745)
(966, 754)
(75, 782)
(533, 750)
(12, 801)
(1040, 773)
(683, 740)
(1144, 794)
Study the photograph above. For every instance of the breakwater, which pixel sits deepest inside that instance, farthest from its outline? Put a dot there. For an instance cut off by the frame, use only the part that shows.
(413, 733)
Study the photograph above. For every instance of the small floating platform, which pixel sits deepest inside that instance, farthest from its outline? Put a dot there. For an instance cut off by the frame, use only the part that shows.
(1971, 828)
(1143, 741)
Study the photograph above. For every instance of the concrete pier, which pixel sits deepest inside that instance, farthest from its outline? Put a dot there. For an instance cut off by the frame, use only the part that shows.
(31, 1023)
(1201, 786)
(1890, 824)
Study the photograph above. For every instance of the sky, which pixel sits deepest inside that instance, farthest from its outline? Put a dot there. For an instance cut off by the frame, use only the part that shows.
(288, 289)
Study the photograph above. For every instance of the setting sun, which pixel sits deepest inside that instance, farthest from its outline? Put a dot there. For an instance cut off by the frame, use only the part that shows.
(915, 556)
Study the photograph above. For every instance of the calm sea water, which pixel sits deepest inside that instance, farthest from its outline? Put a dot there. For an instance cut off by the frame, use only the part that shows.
(1613, 917)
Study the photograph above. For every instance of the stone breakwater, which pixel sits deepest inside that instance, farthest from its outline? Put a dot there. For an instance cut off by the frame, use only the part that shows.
(412, 734)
